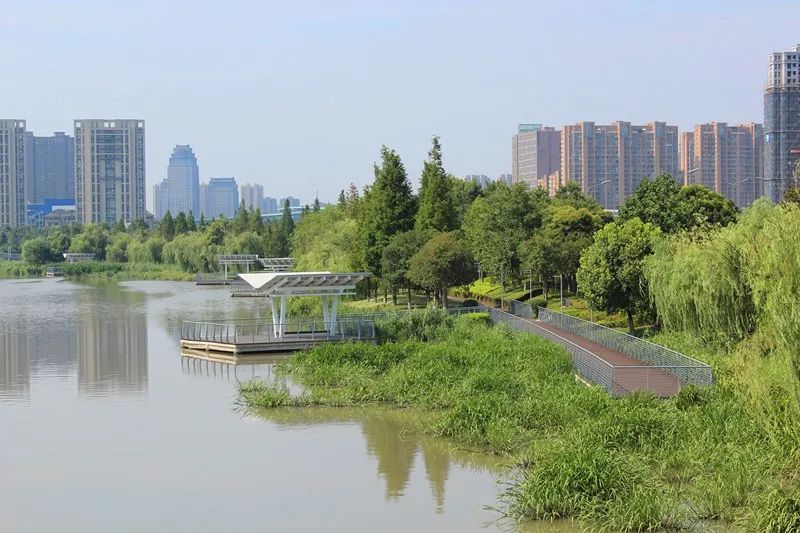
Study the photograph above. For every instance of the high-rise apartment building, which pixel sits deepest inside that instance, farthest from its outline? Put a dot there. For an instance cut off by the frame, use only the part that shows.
(269, 205)
(50, 167)
(727, 159)
(12, 173)
(610, 161)
(508, 179)
(535, 153)
(179, 192)
(221, 197)
(109, 170)
(252, 195)
(781, 122)
(479, 179)
(293, 202)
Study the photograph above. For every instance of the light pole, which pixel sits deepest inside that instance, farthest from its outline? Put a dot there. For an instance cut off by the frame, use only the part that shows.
(588, 189)
(561, 288)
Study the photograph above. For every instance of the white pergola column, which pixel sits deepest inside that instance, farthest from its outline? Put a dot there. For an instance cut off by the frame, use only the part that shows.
(282, 325)
(275, 331)
(326, 318)
(334, 329)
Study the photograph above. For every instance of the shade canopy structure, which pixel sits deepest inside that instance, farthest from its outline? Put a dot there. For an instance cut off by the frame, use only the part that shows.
(329, 286)
(277, 264)
(236, 259)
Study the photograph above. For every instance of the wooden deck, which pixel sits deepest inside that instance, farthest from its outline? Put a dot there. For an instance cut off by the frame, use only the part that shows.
(630, 374)
(263, 345)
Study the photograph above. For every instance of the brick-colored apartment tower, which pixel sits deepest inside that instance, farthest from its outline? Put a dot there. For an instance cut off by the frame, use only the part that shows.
(727, 159)
(609, 161)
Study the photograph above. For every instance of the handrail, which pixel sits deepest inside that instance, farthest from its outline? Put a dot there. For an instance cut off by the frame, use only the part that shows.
(652, 355)
(617, 332)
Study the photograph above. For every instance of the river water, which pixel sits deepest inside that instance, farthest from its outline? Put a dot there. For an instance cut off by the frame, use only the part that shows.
(105, 427)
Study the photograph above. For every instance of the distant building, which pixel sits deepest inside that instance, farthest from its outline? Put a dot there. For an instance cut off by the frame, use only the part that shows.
(293, 202)
(727, 159)
(12, 173)
(535, 153)
(179, 192)
(222, 197)
(50, 167)
(252, 195)
(204, 199)
(551, 183)
(610, 161)
(508, 179)
(269, 205)
(781, 122)
(60, 217)
(63, 207)
(109, 170)
(480, 179)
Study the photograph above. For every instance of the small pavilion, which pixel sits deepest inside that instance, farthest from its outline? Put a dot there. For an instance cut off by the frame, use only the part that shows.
(236, 260)
(329, 286)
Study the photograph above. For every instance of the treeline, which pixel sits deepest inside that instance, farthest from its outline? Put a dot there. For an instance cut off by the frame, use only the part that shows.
(438, 239)
(180, 241)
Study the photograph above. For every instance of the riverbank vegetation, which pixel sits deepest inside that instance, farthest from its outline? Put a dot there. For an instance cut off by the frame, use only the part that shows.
(629, 463)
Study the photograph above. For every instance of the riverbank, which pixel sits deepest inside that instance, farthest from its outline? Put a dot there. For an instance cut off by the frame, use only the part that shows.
(100, 270)
(631, 463)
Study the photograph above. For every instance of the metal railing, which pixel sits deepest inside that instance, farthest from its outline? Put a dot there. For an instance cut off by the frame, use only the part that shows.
(655, 356)
(256, 331)
(586, 364)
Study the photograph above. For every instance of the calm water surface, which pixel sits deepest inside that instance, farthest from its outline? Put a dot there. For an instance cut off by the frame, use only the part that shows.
(104, 427)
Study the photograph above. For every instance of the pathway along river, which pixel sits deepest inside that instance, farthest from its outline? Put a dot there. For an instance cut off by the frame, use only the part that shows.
(103, 427)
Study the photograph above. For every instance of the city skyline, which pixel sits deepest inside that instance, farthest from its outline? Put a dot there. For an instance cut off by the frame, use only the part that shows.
(349, 79)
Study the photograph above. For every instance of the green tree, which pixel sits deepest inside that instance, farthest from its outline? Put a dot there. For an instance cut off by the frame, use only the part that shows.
(166, 227)
(437, 210)
(202, 221)
(667, 205)
(216, 232)
(181, 224)
(443, 262)
(464, 193)
(497, 222)
(256, 222)
(389, 209)
(190, 223)
(285, 231)
(119, 227)
(611, 270)
(93, 239)
(326, 240)
(316, 204)
(117, 248)
(241, 221)
(37, 251)
(396, 260)
(704, 207)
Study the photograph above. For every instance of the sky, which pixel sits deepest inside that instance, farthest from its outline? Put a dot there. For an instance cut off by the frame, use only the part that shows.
(299, 96)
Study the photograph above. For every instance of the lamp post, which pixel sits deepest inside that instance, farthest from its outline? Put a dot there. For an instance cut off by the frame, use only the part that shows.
(588, 189)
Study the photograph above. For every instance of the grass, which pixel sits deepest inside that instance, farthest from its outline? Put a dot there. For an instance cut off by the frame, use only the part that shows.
(634, 463)
(99, 270)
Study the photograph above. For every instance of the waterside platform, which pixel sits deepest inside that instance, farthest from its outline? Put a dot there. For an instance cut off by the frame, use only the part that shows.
(255, 337)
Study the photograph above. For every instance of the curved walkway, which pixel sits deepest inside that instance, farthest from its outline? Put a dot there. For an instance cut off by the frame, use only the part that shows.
(630, 374)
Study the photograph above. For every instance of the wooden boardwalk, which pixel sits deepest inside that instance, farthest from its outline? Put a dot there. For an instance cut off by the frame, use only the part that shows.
(630, 374)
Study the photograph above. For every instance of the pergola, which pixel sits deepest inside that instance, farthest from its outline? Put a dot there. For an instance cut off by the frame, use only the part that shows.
(73, 257)
(236, 259)
(330, 287)
(277, 264)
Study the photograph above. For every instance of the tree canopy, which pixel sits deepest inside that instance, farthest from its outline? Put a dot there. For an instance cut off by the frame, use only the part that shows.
(611, 269)
(437, 209)
(443, 262)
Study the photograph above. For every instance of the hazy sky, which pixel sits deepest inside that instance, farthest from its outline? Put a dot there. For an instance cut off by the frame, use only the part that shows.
(299, 96)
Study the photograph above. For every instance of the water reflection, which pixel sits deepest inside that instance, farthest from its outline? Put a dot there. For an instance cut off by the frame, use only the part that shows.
(112, 352)
(397, 449)
(57, 329)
